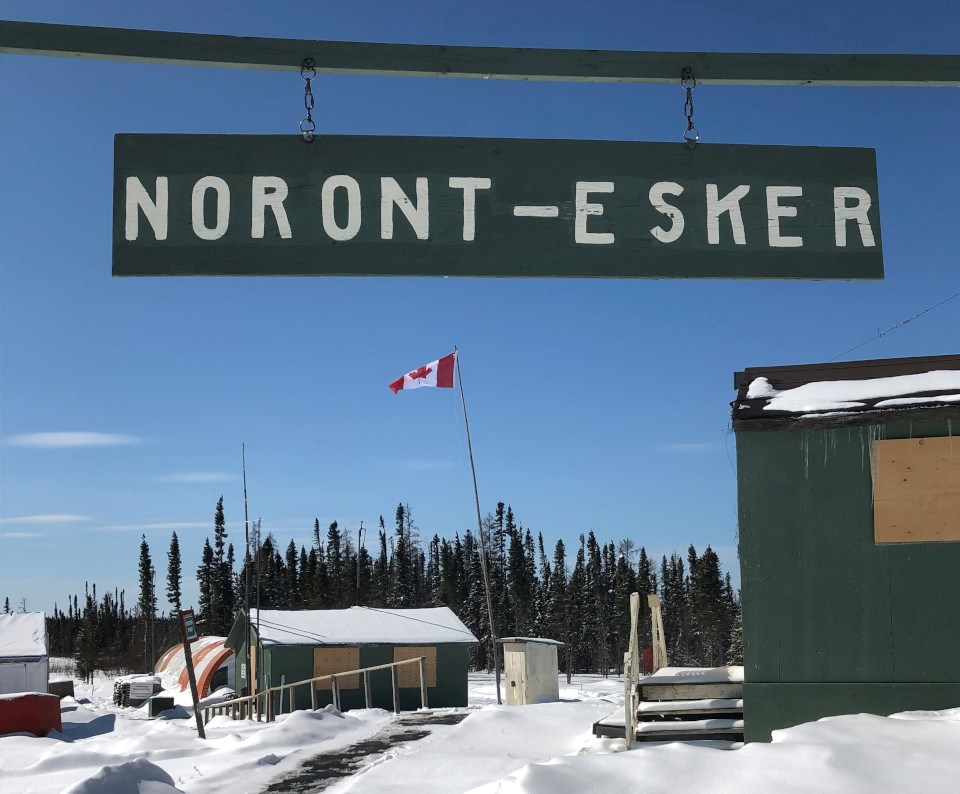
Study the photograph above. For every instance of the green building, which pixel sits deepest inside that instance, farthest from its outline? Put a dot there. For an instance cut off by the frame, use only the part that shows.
(849, 519)
(296, 645)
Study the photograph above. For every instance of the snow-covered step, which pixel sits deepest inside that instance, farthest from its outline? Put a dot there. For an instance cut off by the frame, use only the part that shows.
(692, 683)
(702, 708)
(674, 731)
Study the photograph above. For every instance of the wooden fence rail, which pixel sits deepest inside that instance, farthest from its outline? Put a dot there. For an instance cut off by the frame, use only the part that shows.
(246, 707)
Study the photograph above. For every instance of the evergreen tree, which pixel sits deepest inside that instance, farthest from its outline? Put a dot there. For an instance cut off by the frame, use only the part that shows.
(381, 571)
(147, 602)
(303, 578)
(6, 605)
(290, 578)
(231, 591)
(335, 564)
(624, 583)
(520, 587)
(706, 610)
(735, 650)
(221, 584)
(174, 575)
(673, 607)
(88, 653)
(576, 634)
(403, 584)
(476, 618)
(148, 596)
(557, 617)
(205, 581)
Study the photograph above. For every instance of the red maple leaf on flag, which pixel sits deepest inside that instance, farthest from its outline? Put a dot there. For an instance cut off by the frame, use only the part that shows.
(422, 372)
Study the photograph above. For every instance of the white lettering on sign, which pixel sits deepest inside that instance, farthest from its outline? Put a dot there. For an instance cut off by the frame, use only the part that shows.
(200, 189)
(540, 211)
(842, 213)
(776, 211)
(729, 204)
(470, 185)
(586, 208)
(334, 231)
(657, 192)
(268, 191)
(155, 211)
(341, 204)
(391, 194)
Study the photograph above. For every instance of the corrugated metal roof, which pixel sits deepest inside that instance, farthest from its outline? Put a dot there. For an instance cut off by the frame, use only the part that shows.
(360, 626)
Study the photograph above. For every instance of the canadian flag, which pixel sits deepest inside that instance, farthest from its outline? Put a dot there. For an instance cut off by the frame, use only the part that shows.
(437, 373)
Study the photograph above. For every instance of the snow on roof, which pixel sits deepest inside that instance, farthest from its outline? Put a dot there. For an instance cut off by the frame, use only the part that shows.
(23, 635)
(845, 394)
(360, 626)
(541, 640)
(844, 390)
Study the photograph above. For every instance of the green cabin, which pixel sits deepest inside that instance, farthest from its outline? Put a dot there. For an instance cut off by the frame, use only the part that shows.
(848, 481)
(296, 645)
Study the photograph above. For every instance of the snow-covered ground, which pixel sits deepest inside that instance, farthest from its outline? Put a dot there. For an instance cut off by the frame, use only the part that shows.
(104, 749)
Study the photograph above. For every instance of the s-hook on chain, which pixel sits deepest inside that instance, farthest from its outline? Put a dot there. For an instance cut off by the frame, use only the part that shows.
(307, 126)
(688, 82)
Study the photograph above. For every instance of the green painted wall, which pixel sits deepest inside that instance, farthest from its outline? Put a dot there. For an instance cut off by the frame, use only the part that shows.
(296, 663)
(822, 603)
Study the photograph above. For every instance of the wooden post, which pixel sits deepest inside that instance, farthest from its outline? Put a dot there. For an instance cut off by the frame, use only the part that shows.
(313, 695)
(497, 63)
(335, 691)
(628, 700)
(188, 632)
(631, 674)
(366, 688)
(396, 689)
(656, 631)
(423, 682)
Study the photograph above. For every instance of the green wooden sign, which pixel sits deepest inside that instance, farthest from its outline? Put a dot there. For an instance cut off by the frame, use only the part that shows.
(385, 206)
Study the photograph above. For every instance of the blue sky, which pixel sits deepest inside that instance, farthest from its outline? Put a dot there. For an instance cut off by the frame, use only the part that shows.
(593, 404)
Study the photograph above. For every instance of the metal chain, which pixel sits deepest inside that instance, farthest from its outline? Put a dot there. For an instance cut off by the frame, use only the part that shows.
(307, 126)
(688, 82)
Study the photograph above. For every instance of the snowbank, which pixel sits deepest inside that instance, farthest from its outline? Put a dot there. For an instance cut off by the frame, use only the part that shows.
(542, 748)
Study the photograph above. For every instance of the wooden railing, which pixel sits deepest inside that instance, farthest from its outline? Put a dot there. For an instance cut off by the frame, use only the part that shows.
(631, 675)
(250, 707)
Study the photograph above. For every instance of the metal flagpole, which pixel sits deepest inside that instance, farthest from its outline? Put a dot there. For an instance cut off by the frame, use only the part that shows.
(483, 539)
(246, 568)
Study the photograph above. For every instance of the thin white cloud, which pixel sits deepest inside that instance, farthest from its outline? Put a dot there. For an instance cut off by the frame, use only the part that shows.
(50, 518)
(20, 534)
(694, 447)
(196, 477)
(160, 525)
(69, 440)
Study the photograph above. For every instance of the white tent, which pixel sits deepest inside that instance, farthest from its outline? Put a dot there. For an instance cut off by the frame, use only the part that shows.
(23, 653)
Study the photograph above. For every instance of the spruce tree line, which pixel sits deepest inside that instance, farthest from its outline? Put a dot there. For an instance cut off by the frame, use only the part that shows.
(586, 605)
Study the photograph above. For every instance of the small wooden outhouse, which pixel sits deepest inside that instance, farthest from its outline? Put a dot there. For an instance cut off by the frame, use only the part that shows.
(530, 669)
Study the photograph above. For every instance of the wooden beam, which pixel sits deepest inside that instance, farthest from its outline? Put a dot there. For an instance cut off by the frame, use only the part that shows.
(498, 63)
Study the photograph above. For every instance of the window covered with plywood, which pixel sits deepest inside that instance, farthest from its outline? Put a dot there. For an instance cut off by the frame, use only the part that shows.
(916, 490)
(328, 660)
(409, 674)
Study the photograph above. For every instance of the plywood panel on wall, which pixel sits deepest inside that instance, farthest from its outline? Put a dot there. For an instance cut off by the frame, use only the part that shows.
(916, 490)
(336, 660)
(409, 674)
